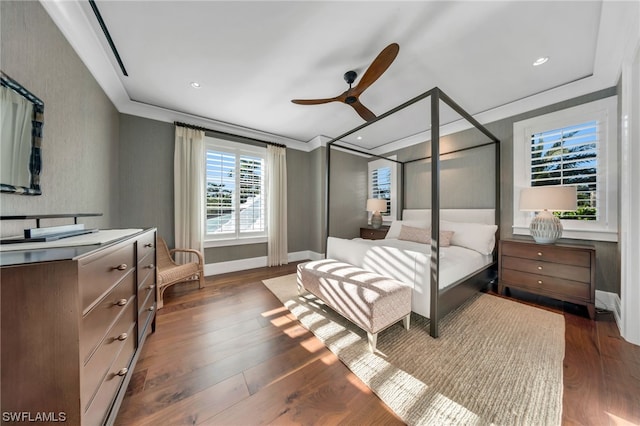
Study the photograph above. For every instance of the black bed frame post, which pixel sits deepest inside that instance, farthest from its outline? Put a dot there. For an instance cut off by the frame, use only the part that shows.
(326, 197)
(498, 167)
(435, 211)
(403, 195)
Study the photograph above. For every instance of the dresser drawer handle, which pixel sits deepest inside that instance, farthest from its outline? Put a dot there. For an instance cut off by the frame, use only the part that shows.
(539, 268)
(121, 267)
(152, 308)
(539, 253)
(151, 287)
(151, 266)
(149, 245)
(123, 337)
(539, 281)
(122, 371)
(121, 302)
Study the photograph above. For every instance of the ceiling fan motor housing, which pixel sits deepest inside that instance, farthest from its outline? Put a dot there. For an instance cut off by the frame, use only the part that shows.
(350, 77)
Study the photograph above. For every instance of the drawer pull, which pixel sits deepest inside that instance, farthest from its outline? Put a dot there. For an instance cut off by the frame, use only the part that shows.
(149, 245)
(121, 302)
(121, 267)
(539, 281)
(123, 337)
(152, 308)
(151, 287)
(151, 266)
(539, 268)
(122, 371)
(539, 253)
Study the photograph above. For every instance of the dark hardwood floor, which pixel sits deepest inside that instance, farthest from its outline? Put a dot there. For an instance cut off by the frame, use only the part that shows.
(231, 354)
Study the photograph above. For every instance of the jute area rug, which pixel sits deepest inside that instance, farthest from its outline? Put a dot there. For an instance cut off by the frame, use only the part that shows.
(496, 361)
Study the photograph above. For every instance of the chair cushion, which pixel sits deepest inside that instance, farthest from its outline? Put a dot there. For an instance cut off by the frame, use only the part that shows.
(177, 273)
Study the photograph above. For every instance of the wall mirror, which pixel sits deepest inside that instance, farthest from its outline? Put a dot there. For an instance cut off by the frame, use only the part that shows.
(21, 122)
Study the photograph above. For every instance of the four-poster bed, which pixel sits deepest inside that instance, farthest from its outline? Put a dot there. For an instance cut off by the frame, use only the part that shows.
(440, 300)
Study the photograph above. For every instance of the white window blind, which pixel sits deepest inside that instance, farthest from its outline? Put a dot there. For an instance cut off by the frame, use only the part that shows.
(235, 204)
(381, 186)
(569, 157)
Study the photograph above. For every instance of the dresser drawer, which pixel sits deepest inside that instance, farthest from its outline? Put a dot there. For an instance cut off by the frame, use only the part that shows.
(98, 321)
(146, 245)
(99, 407)
(557, 270)
(545, 285)
(564, 255)
(99, 273)
(146, 268)
(97, 366)
(147, 287)
(147, 312)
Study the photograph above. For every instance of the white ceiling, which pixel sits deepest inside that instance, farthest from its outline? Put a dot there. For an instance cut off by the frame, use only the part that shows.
(252, 57)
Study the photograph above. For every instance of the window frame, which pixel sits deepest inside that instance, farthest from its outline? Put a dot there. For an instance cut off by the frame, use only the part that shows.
(237, 149)
(378, 164)
(604, 112)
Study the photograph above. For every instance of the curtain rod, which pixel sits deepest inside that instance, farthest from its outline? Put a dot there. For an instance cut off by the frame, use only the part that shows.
(204, 129)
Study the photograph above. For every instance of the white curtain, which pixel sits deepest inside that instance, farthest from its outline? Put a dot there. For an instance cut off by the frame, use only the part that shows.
(188, 166)
(276, 182)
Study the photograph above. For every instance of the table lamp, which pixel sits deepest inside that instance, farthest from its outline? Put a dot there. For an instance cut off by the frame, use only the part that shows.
(546, 228)
(376, 205)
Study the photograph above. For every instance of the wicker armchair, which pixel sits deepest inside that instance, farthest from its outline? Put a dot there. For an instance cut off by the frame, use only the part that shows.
(170, 273)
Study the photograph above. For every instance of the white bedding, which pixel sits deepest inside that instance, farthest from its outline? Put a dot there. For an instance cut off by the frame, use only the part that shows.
(408, 262)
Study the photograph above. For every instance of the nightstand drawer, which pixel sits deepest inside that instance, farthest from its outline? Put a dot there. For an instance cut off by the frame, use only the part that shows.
(555, 254)
(557, 270)
(549, 286)
(374, 234)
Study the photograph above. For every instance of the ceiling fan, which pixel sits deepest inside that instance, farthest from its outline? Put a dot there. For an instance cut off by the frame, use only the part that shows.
(350, 96)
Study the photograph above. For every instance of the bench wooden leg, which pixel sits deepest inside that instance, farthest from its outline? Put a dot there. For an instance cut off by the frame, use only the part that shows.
(373, 340)
(406, 320)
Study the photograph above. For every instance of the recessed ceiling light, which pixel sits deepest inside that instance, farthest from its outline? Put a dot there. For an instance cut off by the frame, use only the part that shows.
(359, 138)
(541, 60)
(195, 84)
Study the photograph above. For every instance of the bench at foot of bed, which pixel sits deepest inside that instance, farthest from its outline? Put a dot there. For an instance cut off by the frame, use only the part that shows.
(371, 301)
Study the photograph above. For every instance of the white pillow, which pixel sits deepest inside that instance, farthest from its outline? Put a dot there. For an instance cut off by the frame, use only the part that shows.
(396, 227)
(474, 236)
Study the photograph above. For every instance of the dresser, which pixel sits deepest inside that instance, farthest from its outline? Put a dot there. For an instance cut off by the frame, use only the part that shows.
(73, 322)
(564, 272)
(370, 233)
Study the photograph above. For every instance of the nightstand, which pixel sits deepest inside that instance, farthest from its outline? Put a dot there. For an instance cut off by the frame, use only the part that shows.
(564, 272)
(370, 233)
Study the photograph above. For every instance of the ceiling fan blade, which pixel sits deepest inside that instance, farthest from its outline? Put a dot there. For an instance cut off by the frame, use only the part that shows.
(377, 68)
(315, 101)
(363, 111)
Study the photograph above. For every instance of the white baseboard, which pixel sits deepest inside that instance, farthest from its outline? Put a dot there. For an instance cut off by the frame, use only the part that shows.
(255, 262)
(610, 302)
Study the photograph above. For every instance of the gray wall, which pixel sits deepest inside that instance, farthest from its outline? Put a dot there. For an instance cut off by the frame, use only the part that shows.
(146, 175)
(80, 139)
(146, 188)
(348, 194)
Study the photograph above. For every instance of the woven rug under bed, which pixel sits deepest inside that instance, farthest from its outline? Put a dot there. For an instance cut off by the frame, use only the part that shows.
(496, 361)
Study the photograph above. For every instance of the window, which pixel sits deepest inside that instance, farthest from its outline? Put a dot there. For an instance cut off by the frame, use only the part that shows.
(568, 157)
(382, 184)
(572, 147)
(235, 199)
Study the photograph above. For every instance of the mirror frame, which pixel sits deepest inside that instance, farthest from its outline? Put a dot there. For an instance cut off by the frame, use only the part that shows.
(37, 123)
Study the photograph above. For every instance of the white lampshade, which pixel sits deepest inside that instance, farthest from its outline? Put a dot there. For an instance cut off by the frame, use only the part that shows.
(376, 205)
(550, 198)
